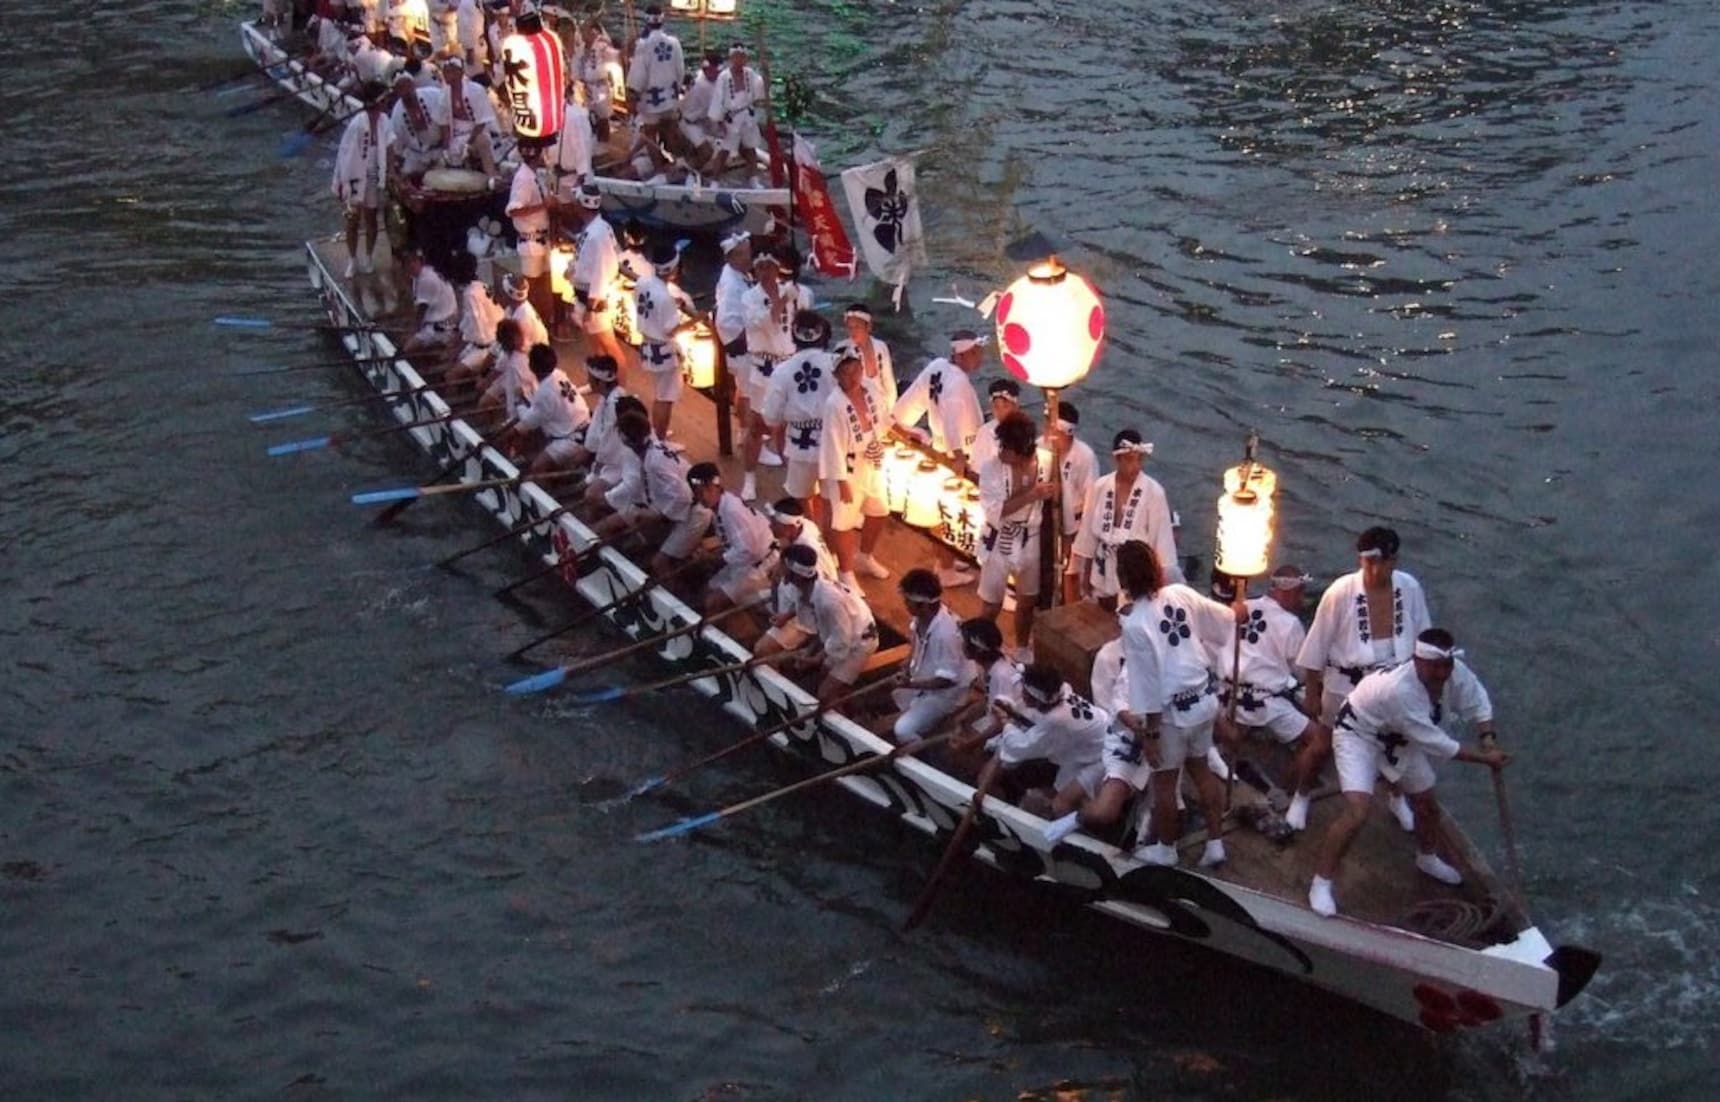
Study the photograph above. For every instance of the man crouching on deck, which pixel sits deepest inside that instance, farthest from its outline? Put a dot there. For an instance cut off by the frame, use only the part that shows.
(1389, 727)
(833, 614)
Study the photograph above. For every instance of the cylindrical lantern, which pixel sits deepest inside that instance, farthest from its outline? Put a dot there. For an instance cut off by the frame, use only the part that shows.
(1245, 521)
(625, 320)
(560, 258)
(1049, 326)
(899, 467)
(975, 517)
(533, 83)
(699, 348)
(952, 508)
(923, 493)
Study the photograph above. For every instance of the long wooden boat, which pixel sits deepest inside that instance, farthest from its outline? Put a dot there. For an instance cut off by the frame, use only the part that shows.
(1253, 908)
(706, 208)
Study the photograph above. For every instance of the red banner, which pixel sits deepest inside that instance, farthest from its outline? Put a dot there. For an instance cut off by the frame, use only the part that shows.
(832, 253)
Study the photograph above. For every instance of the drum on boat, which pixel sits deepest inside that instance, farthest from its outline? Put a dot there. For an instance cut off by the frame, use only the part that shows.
(453, 201)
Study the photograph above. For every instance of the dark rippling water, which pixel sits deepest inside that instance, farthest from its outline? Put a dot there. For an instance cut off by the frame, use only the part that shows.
(266, 826)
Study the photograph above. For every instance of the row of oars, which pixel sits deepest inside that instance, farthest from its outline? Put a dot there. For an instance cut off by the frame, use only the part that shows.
(568, 563)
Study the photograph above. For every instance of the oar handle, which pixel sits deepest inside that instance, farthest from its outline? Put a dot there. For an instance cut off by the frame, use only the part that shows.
(698, 624)
(929, 894)
(709, 671)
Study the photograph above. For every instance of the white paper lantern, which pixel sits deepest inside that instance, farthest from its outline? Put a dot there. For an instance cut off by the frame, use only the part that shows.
(1245, 521)
(1050, 324)
(533, 84)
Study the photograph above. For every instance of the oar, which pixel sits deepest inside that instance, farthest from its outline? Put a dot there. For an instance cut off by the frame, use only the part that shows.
(606, 693)
(603, 610)
(316, 443)
(242, 321)
(319, 365)
(958, 840)
(254, 70)
(404, 493)
(585, 552)
(549, 679)
(650, 783)
(258, 105)
(299, 140)
(1510, 834)
(320, 407)
(456, 464)
(875, 761)
(516, 530)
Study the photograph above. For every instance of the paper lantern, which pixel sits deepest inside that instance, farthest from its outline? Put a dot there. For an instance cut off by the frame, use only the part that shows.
(624, 321)
(705, 9)
(560, 257)
(952, 510)
(699, 349)
(1245, 521)
(533, 83)
(924, 493)
(975, 517)
(1049, 326)
(899, 467)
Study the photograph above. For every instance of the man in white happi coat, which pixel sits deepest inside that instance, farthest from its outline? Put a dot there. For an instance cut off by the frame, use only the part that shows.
(1121, 506)
(850, 458)
(748, 549)
(997, 677)
(695, 123)
(1004, 398)
(943, 394)
(662, 309)
(529, 201)
(1078, 469)
(1054, 725)
(600, 448)
(793, 407)
(420, 127)
(836, 620)
(471, 121)
(444, 27)
(730, 316)
(789, 525)
(654, 78)
(1366, 621)
(361, 174)
(557, 413)
(1267, 682)
(594, 272)
(935, 684)
(1170, 634)
(479, 314)
(1390, 727)
(569, 155)
(516, 291)
(436, 323)
(736, 103)
(654, 497)
(593, 66)
(1012, 492)
(511, 385)
(874, 354)
(768, 309)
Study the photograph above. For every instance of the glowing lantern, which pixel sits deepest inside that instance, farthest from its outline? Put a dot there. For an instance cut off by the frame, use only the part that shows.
(533, 80)
(625, 321)
(1049, 326)
(899, 468)
(975, 517)
(699, 349)
(560, 259)
(409, 20)
(952, 510)
(705, 9)
(1245, 518)
(924, 493)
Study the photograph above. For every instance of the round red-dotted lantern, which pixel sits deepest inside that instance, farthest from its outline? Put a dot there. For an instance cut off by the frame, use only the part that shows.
(1050, 324)
(533, 82)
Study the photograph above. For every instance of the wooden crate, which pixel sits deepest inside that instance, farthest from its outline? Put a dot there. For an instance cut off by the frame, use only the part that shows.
(1068, 636)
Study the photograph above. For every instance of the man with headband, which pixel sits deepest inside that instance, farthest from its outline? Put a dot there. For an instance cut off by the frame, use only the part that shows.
(879, 369)
(999, 680)
(1122, 506)
(1012, 492)
(662, 309)
(1270, 639)
(748, 548)
(1051, 725)
(655, 75)
(556, 413)
(789, 526)
(935, 684)
(729, 314)
(1366, 621)
(836, 616)
(1389, 727)
(595, 272)
(733, 114)
(944, 396)
(1078, 469)
(1004, 396)
(654, 495)
(794, 407)
(598, 443)
(517, 291)
(850, 455)
(768, 309)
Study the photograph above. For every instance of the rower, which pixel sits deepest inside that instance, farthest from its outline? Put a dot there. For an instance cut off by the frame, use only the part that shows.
(1004, 397)
(836, 620)
(420, 124)
(501, 26)
(1121, 506)
(594, 272)
(471, 121)
(593, 65)
(1078, 469)
(662, 310)
(436, 322)
(511, 383)
(479, 315)
(730, 316)
(943, 395)
(361, 173)
(874, 354)
(1169, 633)
(1366, 621)
(609, 454)
(529, 208)
(793, 407)
(1270, 639)
(602, 375)
(695, 125)
(789, 526)
(733, 111)
(1011, 492)
(850, 451)
(655, 75)
(517, 290)
(556, 412)
(1389, 727)
(748, 548)
(935, 684)
(768, 309)
(1054, 725)
(654, 495)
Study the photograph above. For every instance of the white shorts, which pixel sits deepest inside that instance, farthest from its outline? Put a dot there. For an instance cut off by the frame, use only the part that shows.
(740, 582)
(800, 478)
(758, 379)
(434, 333)
(592, 320)
(789, 636)
(683, 539)
(850, 668)
(1181, 744)
(561, 449)
(663, 364)
(1014, 551)
(695, 133)
(741, 371)
(1277, 714)
(1361, 763)
(923, 711)
(1124, 757)
(741, 130)
(867, 491)
(475, 355)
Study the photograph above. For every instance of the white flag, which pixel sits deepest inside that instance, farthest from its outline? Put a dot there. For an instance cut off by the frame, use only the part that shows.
(886, 210)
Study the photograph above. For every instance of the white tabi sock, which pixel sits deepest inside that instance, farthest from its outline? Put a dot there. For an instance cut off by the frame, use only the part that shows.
(1213, 854)
(749, 487)
(1297, 816)
(1215, 762)
(1062, 828)
(1320, 897)
(1405, 815)
(1430, 864)
(1159, 854)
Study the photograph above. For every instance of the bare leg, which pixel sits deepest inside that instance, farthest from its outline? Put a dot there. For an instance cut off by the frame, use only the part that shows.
(846, 547)
(1427, 822)
(1024, 610)
(1166, 825)
(871, 530)
(660, 414)
(1108, 806)
(1342, 833)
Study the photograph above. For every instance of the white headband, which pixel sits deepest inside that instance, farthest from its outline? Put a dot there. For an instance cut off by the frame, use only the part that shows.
(965, 343)
(1290, 581)
(1436, 654)
(1064, 426)
(735, 240)
(1372, 553)
(1139, 449)
(1033, 694)
(863, 315)
(800, 570)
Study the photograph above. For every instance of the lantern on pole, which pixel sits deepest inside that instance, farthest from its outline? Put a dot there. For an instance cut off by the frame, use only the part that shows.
(699, 348)
(533, 80)
(1245, 518)
(1050, 324)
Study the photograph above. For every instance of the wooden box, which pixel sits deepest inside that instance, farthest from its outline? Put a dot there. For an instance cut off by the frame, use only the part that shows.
(1068, 636)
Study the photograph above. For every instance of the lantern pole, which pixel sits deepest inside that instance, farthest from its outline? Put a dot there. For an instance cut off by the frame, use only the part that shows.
(722, 392)
(1051, 538)
(1239, 599)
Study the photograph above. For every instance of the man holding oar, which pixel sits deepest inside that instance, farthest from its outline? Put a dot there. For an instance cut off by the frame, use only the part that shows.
(654, 495)
(556, 413)
(838, 617)
(748, 549)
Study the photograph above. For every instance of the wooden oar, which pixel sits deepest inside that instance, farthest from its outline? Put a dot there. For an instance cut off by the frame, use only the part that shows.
(549, 679)
(876, 761)
(298, 141)
(243, 321)
(319, 365)
(650, 783)
(403, 493)
(315, 443)
(258, 105)
(320, 407)
(562, 564)
(458, 463)
(958, 840)
(1509, 832)
(603, 610)
(517, 530)
(605, 693)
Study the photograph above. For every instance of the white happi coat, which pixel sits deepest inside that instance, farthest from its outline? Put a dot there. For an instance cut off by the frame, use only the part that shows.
(594, 67)
(1080, 469)
(1110, 688)
(1391, 709)
(1341, 644)
(1146, 516)
(846, 451)
(420, 148)
(532, 229)
(532, 329)
(696, 104)
(1071, 735)
(795, 399)
(469, 31)
(745, 534)
(557, 410)
(478, 316)
(519, 385)
(596, 261)
(656, 481)
(839, 617)
(603, 442)
(938, 653)
(943, 394)
(730, 315)
(1168, 643)
(769, 337)
(1004, 532)
(480, 113)
(1271, 640)
(656, 74)
(362, 160)
(659, 307)
(734, 101)
(884, 382)
(570, 156)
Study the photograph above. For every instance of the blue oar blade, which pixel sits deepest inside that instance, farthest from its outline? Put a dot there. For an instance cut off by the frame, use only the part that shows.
(232, 321)
(293, 446)
(675, 830)
(294, 144)
(538, 682)
(378, 497)
(649, 784)
(281, 414)
(598, 696)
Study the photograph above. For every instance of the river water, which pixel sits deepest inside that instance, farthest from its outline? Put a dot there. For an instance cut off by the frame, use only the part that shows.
(267, 827)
